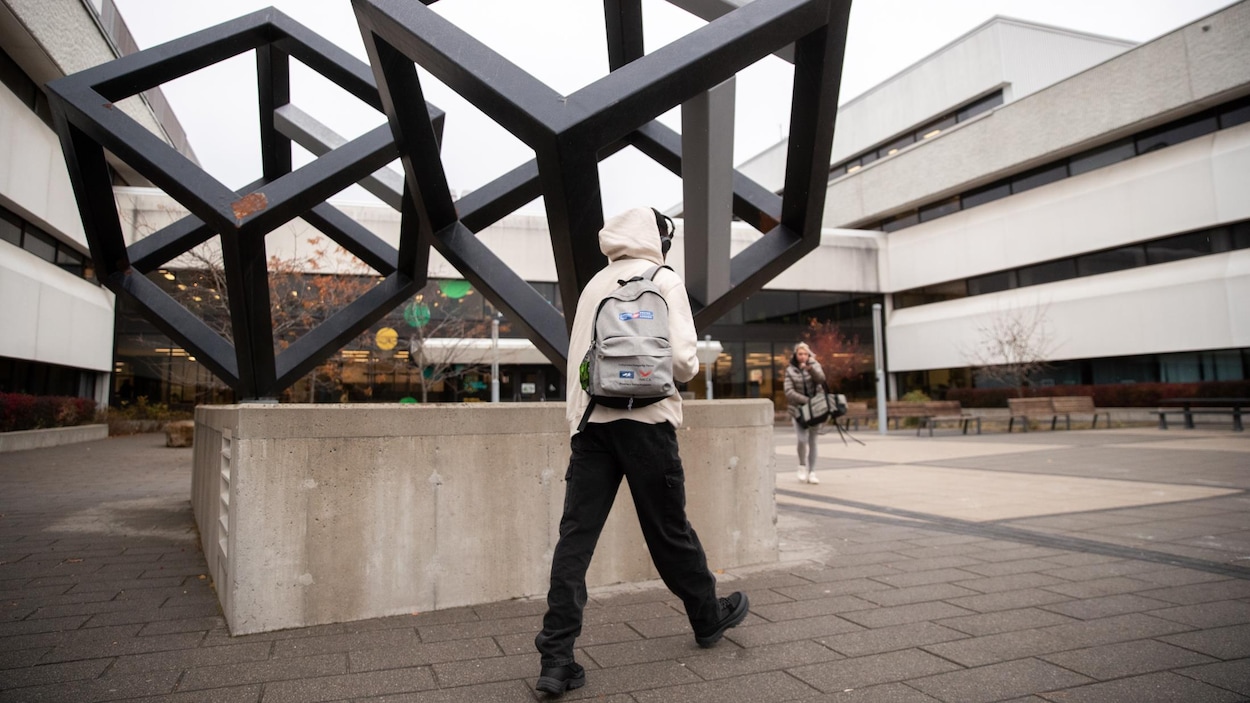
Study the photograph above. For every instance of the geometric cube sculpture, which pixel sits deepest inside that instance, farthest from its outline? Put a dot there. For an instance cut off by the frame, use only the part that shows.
(570, 135)
(87, 124)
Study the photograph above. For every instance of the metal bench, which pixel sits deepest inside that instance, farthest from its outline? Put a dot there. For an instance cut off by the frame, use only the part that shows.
(1235, 408)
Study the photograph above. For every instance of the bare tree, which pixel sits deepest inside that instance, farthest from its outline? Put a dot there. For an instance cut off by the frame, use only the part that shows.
(445, 330)
(1013, 347)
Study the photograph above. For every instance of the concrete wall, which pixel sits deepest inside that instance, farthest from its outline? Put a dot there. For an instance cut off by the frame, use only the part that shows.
(315, 514)
(53, 437)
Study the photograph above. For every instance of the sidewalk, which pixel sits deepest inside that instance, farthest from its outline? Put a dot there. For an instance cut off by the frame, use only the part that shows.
(1105, 565)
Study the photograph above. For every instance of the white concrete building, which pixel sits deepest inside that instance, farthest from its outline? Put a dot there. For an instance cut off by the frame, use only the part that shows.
(56, 322)
(1028, 172)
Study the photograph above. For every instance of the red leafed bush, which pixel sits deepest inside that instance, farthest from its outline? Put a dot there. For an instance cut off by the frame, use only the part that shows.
(19, 411)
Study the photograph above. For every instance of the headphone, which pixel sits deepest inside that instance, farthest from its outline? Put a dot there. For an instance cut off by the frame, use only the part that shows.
(665, 224)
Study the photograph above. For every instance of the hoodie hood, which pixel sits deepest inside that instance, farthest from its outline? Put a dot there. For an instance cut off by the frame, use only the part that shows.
(633, 234)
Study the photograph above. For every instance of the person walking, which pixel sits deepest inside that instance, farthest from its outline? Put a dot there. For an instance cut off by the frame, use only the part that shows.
(803, 380)
(639, 445)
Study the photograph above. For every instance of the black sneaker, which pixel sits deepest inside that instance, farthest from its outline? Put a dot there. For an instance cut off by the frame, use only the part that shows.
(732, 611)
(558, 679)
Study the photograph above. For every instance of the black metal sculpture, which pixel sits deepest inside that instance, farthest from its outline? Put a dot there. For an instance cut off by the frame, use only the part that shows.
(569, 135)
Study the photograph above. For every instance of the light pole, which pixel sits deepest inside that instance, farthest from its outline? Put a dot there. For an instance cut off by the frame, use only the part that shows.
(878, 348)
(707, 351)
(494, 358)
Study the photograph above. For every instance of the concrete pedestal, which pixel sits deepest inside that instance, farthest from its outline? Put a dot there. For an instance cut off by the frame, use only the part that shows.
(313, 514)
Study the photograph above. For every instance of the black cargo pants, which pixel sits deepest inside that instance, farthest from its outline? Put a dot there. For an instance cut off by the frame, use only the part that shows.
(646, 456)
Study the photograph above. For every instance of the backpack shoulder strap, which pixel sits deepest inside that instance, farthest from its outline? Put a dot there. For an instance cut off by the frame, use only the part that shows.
(651, 272)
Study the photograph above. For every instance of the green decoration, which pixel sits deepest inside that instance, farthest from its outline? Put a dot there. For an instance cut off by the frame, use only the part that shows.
(417, 314)
(456, 289)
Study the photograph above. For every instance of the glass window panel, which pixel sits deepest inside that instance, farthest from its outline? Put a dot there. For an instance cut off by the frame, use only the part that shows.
(10, 229)
(1102, 156)
(733, 317)
(868, 158)
(771, 306)
(1221, 239)
(1125, 369)
(39, 243)
(991, 283)
(939, 209)
(1046, 273)
(1224, 365)
(985, 104)
(989, 193)
(821, 306)
(759, 369)
(1180, 368)
(894, 146)
(1039, 177)
(947, 291)
(1235, 115)
(69, 260)
(1108, 261)
(1240, 238)
(935, 128)
(1175, 133)
(1184, 246)
(898, 222)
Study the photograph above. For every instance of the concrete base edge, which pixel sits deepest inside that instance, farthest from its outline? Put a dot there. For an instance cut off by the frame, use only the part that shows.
(315, 514)
(52, 437)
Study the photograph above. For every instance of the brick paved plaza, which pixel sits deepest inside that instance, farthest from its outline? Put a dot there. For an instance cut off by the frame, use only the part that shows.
(1104, 565)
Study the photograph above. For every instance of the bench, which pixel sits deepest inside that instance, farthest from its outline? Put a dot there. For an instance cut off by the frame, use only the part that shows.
(1064, 406)
(1188, 412)
(930, 413)
(856, 411)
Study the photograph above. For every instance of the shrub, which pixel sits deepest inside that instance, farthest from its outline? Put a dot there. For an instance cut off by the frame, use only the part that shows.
(915, 397)
(1117, 395)
(19, 411)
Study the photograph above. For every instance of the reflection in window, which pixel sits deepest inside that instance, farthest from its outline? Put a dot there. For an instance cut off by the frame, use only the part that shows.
(1039, 177)
(10, 229)
(939, 209)
(1108, 261)
(986, 194)
(39, 244)
(773, 307)
(1176, 133)
(898, 222)
(1047, 273)
(992, 283)
(1114, 152)
(1185, 246)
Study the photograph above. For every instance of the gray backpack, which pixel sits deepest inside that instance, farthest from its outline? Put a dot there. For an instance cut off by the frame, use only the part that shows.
(630, 360)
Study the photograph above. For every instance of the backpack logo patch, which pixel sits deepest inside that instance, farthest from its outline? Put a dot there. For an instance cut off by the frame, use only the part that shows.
(637, 315)
(627, 374)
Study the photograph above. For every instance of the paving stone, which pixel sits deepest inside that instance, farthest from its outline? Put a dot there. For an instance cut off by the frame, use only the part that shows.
(488, 628)
(829, 588)
(789, 630)
(192, 658)
(410, 655)
(655, 627)
(91, 690)
(1175, 576)
(194, 624)
(83, 648)
(1202, 592)
(921, 578)
(40, 625)
(862, 672)
(1011, 551)
(1233, 675)
(330, 688)
(1093, 608)
(309, 646)
(1222, 642)
(1001, 647)
(935, 563)
(1114, 661)
(640, 650)
(1162, 687)
(888, 639)
(511, 609)
(902, 614)
(1101, 587)
(635, 680)
(1004, 621)
(1007, 568)
(724, 662)
(503, 692)
(51, 673)
(263, 671)
(885, 693)
(999, 681)
(916, 594)
(1215, 614)
(753, 688)
(1091, 572)
(147, 615)
(863, 558)
(233, 694)
(1010, 582)
(1009, 600)
(486, 670)
(844, 573)
(812, 608)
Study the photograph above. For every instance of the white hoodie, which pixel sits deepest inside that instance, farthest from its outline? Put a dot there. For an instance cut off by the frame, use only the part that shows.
(631, 241)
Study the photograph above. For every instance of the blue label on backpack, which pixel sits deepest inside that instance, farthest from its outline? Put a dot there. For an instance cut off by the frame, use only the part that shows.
(627, 374)
(640, 315)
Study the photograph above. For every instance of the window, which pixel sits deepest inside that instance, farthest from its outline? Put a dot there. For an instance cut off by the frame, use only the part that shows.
(935, 128)
(10, 228)
(1046, 273)
(1185, 246)
(39, 243)
(774, 307)
(986, 194)
(1175, 133)
(1113, 260)
(821, 306)
(985, 104)
(1235, 115)
(1038, 177)
(894, 146)
(898, 222)
(939, 209)
(69, 260)
(1102, 156)
(1240, 237)
(992, 283)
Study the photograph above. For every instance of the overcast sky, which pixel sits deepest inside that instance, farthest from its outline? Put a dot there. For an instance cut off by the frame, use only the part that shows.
(561, 43)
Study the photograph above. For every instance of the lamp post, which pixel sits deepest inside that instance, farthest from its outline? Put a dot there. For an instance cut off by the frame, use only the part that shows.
(878, 349)
(707, 351)
(494, 358)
